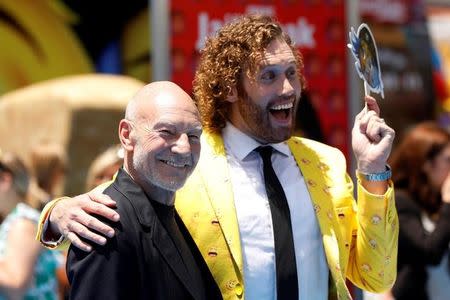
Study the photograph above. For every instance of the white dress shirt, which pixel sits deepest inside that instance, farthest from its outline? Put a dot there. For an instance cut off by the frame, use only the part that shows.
(255, 220)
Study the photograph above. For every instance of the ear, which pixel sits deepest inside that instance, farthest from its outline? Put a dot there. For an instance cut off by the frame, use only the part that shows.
(233, 95)
(125, 136)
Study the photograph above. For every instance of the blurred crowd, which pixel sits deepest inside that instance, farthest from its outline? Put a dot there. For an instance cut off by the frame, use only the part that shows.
(28, 270)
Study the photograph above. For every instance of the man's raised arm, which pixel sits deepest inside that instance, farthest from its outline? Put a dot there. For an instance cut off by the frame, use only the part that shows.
(75, 220)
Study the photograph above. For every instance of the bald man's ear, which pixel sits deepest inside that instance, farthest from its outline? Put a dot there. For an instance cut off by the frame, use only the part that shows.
(232, 96)
(125, 136)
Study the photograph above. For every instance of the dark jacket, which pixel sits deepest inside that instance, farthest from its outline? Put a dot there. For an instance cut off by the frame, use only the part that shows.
(417, 248)
(141, 260)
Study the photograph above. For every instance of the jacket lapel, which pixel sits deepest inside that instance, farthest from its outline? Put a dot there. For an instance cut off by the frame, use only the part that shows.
(218, 183)
(320, 185)
(172, 257)
(147, 218)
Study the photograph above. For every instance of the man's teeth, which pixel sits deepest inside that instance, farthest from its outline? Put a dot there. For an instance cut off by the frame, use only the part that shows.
(282, 106)
(173, 164)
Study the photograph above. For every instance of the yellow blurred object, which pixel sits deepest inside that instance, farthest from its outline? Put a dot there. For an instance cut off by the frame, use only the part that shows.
(446, 105)
(37, 43)
(135, 46)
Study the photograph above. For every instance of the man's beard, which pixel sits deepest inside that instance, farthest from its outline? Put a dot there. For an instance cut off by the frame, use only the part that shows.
(151, 176)
(257, 120)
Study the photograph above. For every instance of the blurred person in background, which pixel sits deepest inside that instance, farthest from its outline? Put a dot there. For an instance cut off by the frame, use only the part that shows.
(13, 183)
(104, 166)
(421, 175)
(49, 164)
(27, 270)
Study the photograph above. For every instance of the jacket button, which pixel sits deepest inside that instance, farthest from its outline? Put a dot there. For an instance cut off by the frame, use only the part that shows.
(212, 252)
(238, 289)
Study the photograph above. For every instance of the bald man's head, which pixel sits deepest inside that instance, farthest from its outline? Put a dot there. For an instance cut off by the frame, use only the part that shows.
(150, 94)
(161, 136)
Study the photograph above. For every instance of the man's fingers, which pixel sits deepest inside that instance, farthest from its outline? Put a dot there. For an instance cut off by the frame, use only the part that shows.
(373, 131)
(92, 223)
(377, 130)
(365, 119)
(82, 232)
(77, 242)
(372, 104)
(102, 199)
(99, 209)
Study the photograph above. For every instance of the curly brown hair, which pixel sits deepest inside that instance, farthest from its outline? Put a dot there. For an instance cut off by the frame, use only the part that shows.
(422, 143)
(237, 47)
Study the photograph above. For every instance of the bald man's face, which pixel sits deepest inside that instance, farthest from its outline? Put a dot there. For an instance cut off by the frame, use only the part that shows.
(167, 145)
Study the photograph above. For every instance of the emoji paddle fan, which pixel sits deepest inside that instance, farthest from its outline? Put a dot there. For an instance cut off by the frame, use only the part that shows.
(367, 63)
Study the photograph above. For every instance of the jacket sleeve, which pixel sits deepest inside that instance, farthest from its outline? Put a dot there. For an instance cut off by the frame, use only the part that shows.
(42, 235)
(372, 262)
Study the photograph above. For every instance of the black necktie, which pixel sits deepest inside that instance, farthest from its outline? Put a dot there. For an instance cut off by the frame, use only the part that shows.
(286, 267)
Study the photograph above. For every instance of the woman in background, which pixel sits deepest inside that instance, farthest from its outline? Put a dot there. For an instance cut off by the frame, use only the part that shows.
(27, 270)
(104, 166)
(421, 166)
(48, 165)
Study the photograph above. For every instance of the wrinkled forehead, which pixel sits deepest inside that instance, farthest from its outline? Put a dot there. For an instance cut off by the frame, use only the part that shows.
(182, 114)
(277, 52)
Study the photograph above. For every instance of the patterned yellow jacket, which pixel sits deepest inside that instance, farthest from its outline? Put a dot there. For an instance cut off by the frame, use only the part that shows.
(360, 239)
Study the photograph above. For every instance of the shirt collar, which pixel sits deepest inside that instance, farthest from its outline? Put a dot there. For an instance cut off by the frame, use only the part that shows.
(240, 144)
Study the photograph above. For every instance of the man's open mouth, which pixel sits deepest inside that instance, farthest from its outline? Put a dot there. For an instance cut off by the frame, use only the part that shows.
(281, 111)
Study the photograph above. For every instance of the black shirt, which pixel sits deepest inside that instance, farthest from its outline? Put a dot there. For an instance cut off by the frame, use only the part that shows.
(166, 215)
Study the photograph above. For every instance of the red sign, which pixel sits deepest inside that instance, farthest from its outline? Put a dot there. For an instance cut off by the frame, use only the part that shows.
(318, 27)
(398, 12)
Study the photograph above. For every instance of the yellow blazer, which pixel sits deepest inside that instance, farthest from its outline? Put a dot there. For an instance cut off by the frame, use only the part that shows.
(360, 240)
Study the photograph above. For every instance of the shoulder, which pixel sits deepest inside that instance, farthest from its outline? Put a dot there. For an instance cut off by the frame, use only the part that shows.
(316, 146)
(313, 150)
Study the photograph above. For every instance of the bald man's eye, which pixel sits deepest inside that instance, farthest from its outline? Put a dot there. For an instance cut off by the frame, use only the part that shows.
(194, 138)
(166, 132)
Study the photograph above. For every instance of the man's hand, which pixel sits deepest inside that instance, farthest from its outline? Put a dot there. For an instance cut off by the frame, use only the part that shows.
(72, 218)
(371, 139)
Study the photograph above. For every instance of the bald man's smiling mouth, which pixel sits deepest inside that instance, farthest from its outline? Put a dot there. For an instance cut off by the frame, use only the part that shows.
(176, 164)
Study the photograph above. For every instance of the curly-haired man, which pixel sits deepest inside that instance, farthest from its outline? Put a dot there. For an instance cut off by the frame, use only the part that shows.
(273, 215)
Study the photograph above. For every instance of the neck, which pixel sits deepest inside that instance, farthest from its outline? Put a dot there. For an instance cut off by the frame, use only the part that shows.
(159, 195)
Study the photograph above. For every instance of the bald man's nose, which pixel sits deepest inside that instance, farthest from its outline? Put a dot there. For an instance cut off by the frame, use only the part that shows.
(182, 145)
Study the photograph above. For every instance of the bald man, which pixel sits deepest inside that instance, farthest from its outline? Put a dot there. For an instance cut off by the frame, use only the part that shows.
(152, 255)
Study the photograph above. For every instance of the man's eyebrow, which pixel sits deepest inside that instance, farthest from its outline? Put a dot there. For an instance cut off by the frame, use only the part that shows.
(160, 124)
(163, 123)
(197, 128)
